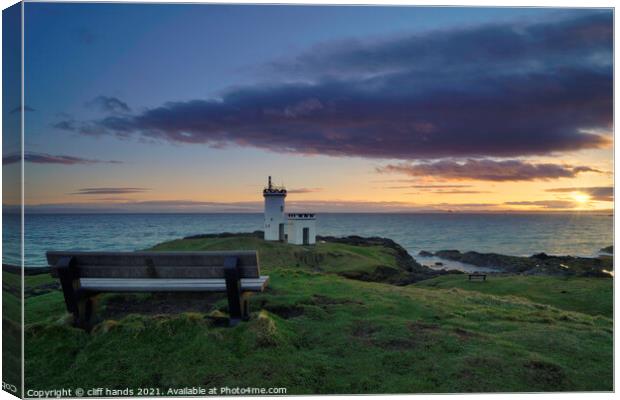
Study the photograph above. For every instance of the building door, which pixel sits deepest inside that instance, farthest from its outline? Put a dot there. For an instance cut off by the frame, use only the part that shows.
(281, 232)
(306, 236)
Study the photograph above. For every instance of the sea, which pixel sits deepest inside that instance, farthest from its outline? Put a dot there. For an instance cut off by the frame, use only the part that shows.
(511, 234)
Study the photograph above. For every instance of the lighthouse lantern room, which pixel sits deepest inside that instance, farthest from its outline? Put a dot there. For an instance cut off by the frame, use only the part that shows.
(275, 219)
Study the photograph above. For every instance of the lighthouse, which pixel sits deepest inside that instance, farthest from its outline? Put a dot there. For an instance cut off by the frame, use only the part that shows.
(275, 219)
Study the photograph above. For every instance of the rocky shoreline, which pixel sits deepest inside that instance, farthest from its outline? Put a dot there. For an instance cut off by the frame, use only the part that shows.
(540, 263)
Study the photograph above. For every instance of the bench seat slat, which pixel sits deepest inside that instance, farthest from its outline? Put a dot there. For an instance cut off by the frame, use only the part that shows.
(156, 264)
(162, 271)
(162, 285)
(137, 258)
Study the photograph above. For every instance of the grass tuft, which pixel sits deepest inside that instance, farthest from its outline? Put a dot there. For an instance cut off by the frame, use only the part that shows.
(265, 331)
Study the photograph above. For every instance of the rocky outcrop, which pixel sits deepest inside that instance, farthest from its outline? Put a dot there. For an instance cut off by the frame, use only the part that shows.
(540, 263)
(415, 271)
(403, 258)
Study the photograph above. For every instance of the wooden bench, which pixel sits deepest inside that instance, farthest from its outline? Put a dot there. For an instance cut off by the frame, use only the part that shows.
(480, 277)
(83, 275)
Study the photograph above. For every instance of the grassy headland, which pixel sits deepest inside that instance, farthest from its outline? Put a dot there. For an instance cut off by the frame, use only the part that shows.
(316, 330)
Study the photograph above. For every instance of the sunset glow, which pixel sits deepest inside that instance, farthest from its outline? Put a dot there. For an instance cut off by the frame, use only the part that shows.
(581, 198)
(459, 126)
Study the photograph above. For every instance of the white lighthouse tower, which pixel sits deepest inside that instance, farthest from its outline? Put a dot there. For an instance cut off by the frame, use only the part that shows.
(275, 219)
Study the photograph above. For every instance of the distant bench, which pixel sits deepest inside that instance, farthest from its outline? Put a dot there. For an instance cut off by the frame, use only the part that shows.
(477, 277)
(84, 274)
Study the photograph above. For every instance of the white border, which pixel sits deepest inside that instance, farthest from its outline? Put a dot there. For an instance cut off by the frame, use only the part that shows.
(478, 3)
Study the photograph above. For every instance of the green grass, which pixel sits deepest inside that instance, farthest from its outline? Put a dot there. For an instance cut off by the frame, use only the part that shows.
(337, 258)
(32, 281)
(11, 329)
(315, 331)
(587, 295)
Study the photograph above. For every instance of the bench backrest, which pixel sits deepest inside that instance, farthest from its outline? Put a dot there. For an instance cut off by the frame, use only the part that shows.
(157, 264)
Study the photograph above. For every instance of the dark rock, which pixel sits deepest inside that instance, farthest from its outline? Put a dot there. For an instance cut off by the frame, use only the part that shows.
(425, 253)
(454, 255)
(439, 264)
(538, 264)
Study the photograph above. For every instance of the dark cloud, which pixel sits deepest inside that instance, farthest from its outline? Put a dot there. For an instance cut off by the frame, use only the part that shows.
(583, 39)
(305, 190)
(129, 206)
(544, 203)
(467, 205)
(110, 190)
(389, 119)
(43, 158)
(440, 189)
(19, 108)
(66, 125)
(496, 90)
(487, 170)
(461, 191)
(428, 187)
(598, 193)
(437, 186)
(109, 104)
(111, 199)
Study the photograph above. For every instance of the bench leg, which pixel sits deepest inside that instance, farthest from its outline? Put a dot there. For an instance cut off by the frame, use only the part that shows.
(68, 282)
(85, 311)
(233, 291)
(245, 306)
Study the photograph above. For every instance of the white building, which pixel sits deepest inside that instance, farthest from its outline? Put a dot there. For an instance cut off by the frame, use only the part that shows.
(294, 228)
(301, 228)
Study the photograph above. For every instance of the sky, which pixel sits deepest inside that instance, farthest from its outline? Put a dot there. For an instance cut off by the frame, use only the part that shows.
(166, 108)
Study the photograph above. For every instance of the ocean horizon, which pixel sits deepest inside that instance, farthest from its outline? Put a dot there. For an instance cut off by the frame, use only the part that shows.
(575, 234)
